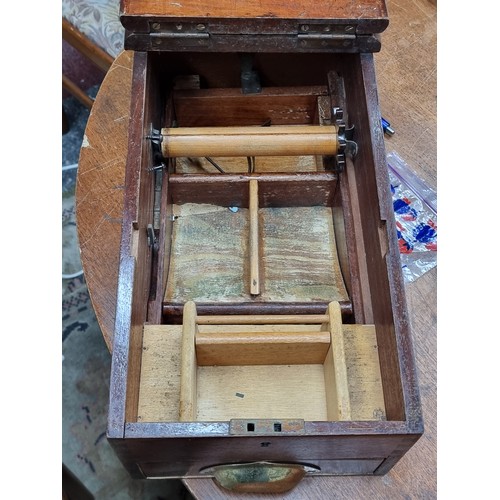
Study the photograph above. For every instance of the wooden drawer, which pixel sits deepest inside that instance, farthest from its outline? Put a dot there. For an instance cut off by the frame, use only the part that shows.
(261, 316)
(317, 236)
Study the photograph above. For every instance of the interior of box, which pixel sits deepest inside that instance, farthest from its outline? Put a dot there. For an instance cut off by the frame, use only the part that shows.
(239, 236)
(232, 253)
(260, 371)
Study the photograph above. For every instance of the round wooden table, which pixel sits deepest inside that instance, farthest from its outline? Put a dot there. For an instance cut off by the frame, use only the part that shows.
(406, 73)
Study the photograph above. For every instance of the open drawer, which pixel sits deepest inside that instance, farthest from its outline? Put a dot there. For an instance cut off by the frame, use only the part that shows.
(260, 367)
(261, 315)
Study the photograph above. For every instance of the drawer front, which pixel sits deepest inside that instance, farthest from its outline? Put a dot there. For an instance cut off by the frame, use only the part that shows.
(161, 470)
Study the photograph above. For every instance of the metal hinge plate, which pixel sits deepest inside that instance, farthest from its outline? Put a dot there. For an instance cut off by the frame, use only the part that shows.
(179, 34)
(326, 35)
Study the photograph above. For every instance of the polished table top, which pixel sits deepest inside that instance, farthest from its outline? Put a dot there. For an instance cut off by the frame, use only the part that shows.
(406, 75)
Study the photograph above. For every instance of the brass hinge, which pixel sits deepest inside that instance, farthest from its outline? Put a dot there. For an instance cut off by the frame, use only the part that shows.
(315, 36)
(179, 34)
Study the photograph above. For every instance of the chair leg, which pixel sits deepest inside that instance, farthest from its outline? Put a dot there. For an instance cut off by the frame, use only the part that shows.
(77, 92)
(81, 43)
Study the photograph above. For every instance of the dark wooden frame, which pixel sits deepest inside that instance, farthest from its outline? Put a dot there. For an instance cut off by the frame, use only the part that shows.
(377, 294)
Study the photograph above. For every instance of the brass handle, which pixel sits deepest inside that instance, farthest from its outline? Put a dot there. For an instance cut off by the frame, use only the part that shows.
(259, 477)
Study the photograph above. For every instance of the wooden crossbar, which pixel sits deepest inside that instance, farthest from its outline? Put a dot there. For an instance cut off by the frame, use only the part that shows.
(266, 340)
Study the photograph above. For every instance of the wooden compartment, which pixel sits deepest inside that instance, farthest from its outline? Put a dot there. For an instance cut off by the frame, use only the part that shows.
(308, 367)
(248, 252)
(261, 313)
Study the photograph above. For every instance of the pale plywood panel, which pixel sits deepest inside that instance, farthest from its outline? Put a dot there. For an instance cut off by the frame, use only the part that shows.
(363, 373)
(159, 393)
(256, 347)
(269, 391)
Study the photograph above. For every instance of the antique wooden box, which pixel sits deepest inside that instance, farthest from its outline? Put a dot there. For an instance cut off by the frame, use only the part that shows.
(261, 328)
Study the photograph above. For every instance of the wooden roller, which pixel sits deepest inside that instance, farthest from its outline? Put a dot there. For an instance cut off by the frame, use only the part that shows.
(281, 140)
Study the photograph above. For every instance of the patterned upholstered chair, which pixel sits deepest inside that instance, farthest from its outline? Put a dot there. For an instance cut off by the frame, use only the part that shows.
(93, 28)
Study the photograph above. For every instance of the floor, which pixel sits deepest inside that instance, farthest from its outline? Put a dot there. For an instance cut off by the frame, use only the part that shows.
(86, 360)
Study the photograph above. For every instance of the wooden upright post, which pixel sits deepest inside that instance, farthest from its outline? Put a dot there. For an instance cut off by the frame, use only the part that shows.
(254, 237)
(187, 404)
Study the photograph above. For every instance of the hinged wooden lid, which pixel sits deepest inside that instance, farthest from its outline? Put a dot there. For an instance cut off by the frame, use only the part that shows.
(254, 25)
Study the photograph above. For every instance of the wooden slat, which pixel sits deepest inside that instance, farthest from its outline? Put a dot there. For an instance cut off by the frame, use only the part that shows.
(336, 382)
(275, 190)
(229, 107)
(366, 396)
(262, 319)
(332, 411)
(172, 311)
(254, 237)
(290, 328)
(159, 393)
(187, 404)
(246, 348)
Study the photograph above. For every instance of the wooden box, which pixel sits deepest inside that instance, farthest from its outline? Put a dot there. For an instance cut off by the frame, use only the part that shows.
(261, 328)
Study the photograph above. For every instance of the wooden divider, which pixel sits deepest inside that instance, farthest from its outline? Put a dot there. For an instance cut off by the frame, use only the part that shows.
(335, 369)
(188, 371)
(255, 347)
(262, 319)
(254, 237)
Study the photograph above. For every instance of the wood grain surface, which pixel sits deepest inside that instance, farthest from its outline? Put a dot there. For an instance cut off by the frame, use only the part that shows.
(257, 380)
(406, 73)
(282, 9)
(99, 190)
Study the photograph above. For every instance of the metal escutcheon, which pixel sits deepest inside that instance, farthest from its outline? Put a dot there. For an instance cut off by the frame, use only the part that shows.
(259, 477)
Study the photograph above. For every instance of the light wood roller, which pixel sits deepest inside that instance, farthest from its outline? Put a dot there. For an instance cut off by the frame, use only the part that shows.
(285, 140)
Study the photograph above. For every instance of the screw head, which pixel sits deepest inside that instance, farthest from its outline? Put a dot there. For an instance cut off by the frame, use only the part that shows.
(305, 27)
(178, 27)
(349, 29)
(156, 26)
(200, 27)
